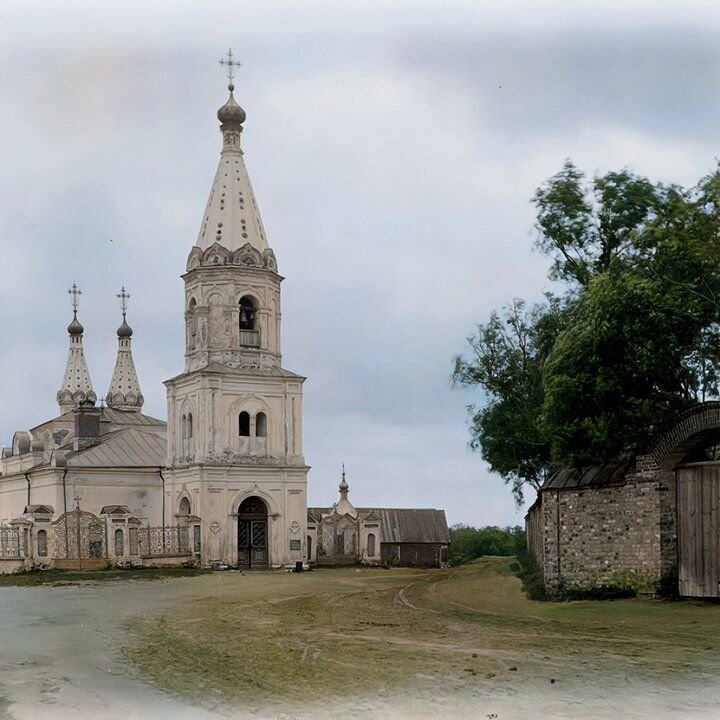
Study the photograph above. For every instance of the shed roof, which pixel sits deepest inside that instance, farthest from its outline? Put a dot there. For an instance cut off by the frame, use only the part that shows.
(593, 476)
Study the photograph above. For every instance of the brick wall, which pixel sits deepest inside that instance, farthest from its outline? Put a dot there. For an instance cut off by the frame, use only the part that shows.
(607, 535)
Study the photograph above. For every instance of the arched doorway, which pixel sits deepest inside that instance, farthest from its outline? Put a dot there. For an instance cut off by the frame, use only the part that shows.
(252, 533)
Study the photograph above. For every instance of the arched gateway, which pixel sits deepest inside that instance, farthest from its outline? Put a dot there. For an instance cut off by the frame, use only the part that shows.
(252, 533)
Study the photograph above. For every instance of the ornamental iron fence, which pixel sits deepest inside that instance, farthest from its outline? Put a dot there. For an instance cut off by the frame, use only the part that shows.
(9, 542)
(80, 535)
(155, 541)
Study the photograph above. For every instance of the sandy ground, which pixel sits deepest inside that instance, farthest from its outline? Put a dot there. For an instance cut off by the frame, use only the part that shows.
(352, 643)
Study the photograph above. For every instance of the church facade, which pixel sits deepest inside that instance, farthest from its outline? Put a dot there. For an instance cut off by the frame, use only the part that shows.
(222, 483)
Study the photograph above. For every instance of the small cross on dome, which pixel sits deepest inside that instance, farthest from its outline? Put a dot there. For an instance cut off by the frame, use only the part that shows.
(230, 64)
(123, 296)
(75, 294)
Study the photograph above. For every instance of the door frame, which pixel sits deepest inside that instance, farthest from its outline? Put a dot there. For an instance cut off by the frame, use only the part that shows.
(251, 518)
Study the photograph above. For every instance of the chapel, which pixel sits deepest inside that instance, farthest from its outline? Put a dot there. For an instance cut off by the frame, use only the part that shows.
(222, 483)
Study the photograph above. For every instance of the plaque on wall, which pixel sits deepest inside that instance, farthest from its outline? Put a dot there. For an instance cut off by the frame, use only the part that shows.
(295, 545)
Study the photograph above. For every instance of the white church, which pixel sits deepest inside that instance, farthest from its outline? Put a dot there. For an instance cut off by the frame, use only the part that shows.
(224, 482)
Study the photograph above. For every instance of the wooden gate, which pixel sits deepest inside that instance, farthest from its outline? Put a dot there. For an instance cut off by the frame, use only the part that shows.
(698, 492)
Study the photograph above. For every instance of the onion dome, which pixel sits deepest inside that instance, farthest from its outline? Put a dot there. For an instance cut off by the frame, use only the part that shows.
(124, 331)
(75, 328)
(231, 112)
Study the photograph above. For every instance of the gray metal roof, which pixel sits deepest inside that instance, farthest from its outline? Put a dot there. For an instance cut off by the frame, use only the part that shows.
(413, 526)
(594, 476)
(130, 447)
(114, 417)
(127, 417)
(404, 525)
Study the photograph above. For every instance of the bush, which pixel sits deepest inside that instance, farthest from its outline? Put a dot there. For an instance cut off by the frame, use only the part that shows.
(468, 543)
(533, 583)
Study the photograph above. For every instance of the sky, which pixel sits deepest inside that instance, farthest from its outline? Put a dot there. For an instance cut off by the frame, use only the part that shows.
(393, 147)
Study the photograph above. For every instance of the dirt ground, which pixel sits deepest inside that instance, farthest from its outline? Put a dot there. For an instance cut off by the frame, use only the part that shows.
(459, 643)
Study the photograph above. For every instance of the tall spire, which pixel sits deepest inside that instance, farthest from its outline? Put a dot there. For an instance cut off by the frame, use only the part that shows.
(76, 388)
(344, 487)
(344, 506)
(231, 218)
(124, 392)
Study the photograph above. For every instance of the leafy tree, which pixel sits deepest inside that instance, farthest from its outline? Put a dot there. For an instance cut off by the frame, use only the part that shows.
(506, 360)
(468, 543)
(633, 336)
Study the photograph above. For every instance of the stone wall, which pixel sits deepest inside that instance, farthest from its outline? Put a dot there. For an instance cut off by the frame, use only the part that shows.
(604, 536)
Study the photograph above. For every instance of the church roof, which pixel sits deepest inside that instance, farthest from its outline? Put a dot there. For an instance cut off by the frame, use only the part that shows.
(118, 418)
(403, 525)
(231, 217)
(130, 447)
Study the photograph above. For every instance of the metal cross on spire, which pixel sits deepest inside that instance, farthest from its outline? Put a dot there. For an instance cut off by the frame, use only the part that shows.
(123, 296)
(230, 64)
(75, 294)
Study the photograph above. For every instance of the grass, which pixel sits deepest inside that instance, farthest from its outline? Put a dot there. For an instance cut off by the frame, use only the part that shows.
(70, 577)
(271, 638)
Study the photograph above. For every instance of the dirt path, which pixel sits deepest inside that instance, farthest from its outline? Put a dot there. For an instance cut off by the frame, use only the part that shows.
(351, 643)
(418, 644)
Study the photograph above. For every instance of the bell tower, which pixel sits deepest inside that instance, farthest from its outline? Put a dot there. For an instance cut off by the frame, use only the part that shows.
(234, 414)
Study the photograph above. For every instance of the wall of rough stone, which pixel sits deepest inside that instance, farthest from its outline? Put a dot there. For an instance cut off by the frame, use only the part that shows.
(607, 535)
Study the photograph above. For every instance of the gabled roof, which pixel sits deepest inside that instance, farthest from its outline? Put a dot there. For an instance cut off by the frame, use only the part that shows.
(41, 509)
(115, 510)
(114, 417)
(413, 526)
(402, 525)
(130, 447)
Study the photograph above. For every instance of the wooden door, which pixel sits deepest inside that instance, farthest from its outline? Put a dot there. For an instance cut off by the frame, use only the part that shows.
(698, 514)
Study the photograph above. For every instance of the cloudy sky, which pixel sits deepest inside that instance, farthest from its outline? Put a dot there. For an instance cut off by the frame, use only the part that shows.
(393, 147)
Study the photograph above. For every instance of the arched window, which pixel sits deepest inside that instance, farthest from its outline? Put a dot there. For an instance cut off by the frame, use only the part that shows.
(371, 545)
(192, 325)
(42, 543)
(247, 313)
(261, 424)
(119, 543)
(244, 424)
(184, 506)
(187, 431)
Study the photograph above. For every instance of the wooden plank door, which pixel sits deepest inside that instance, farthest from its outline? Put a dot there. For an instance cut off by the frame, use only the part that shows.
(699, 530)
